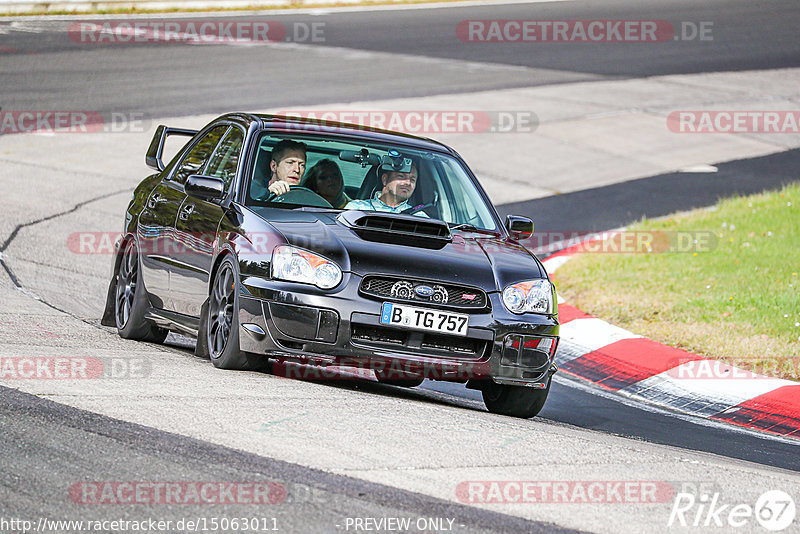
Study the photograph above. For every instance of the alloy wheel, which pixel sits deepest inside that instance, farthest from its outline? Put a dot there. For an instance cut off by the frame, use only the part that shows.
(220, 311)
(126, 284)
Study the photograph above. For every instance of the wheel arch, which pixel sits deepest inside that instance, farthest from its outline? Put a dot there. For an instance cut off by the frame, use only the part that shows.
(223, 253)
(201, 347)
(108, 312)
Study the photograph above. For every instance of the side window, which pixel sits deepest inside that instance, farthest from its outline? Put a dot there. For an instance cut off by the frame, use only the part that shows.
(225, 159)
(196, 158)
(463, 208)
(442, 187)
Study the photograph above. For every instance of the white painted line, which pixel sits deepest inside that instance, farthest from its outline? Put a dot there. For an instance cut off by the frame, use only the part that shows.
(594, 333)
(582, 336)
(699, 169)
(699, 370)
(553, 264)
(716, 379)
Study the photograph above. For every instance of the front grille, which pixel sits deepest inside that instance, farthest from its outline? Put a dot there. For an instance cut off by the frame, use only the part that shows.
(449, 343)
(404, 290)
(417, 341)
(378, 334)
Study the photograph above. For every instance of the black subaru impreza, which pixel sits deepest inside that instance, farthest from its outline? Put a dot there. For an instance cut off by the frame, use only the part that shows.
(413, 275)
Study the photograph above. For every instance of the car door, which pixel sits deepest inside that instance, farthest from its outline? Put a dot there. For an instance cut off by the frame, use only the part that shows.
(161, 252)
(196, 228)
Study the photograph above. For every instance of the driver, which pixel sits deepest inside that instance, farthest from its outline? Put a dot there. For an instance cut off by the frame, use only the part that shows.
(287, 165)
(397, 189)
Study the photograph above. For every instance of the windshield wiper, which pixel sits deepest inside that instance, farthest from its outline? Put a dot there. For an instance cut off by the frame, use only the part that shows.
(466, 227)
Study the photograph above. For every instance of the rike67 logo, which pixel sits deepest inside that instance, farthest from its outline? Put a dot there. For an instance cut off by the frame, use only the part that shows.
(774, 510)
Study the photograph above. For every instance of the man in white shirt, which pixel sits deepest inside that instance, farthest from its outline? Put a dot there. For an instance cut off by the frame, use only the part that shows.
(397, 189)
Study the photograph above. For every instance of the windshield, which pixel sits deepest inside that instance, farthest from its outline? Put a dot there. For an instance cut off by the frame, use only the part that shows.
(371, 177)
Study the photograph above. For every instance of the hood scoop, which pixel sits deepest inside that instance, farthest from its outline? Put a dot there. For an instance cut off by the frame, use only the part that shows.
(397, 228)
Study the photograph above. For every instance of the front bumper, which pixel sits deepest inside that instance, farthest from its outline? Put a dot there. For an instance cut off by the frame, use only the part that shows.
(301, 323)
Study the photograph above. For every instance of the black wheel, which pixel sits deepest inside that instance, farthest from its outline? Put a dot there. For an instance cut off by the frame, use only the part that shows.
(130, 300)
(222, 320)
(516, 401)
(395, 378)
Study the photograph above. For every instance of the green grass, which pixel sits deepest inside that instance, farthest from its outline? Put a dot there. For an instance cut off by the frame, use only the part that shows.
(736, 300)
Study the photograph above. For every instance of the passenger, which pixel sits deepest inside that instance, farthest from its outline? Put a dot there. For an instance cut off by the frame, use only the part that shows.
(397, 190)
(325, 179)
(287, 166)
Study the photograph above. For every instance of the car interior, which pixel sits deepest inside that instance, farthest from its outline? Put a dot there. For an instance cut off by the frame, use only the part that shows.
(438, 193)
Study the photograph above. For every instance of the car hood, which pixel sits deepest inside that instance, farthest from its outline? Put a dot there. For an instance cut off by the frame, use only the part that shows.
(468, 258)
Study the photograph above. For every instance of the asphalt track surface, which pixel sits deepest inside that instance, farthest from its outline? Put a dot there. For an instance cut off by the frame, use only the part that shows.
(51, 445)
(411, 53)
(170, 80)
(655, 196)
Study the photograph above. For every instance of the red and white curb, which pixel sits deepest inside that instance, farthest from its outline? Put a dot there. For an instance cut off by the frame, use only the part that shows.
(618, 360)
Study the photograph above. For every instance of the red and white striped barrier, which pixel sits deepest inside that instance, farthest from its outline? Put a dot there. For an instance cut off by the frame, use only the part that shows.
(618, 360)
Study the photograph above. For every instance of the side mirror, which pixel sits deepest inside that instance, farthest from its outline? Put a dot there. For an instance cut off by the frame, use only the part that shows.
(205, 187)
(519, 227)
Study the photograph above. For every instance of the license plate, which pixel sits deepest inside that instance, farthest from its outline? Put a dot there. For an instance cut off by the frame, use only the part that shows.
(424, 319)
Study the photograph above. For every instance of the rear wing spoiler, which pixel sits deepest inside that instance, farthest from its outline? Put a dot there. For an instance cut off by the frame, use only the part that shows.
(153, 156)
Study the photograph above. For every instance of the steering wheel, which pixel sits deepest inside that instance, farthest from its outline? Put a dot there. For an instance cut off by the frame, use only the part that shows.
(416, 209)
(300, 195)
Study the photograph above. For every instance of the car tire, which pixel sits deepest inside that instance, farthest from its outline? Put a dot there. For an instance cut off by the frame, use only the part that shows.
(515, 401)
(221, 321)
(391, 379)
(130, 300)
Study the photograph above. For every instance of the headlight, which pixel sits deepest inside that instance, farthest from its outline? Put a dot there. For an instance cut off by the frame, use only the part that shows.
(535, 296)
(297, 265)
